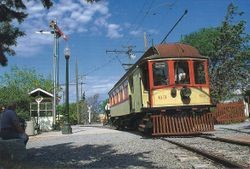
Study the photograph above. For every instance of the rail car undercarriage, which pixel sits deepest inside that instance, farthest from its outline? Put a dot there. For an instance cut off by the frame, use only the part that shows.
(166, 124)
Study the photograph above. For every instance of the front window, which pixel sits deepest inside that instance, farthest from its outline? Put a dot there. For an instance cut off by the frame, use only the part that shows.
(160, 73)
(181, 72)
(199, 72)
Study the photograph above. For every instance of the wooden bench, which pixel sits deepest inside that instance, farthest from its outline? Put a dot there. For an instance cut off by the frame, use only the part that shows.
(13, 149)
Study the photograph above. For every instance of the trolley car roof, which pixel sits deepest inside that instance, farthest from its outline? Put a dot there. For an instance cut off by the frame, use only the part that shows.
(177, 50)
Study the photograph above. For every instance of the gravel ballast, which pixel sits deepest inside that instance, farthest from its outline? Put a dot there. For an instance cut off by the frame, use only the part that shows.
(98, 147)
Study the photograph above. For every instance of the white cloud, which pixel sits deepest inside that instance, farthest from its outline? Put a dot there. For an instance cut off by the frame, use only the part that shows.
(140, 32)
(136, 32)
(94, 85)
(72, 16)
(99, 84)
(113, 31)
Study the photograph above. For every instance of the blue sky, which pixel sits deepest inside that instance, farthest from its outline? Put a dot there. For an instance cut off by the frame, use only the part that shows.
(108, 25)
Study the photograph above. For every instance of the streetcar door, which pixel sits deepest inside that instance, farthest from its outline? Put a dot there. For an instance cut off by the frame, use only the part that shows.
(136, 96)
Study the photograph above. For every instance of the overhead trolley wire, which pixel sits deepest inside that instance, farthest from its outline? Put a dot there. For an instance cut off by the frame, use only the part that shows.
(97, 68)
(142, 20)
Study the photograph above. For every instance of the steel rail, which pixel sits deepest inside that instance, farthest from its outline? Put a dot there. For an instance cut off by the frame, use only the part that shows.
(227, 140)
(239, 131)
(216, 158)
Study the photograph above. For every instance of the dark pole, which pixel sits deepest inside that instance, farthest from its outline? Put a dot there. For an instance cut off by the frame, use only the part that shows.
(67, 87)
(66, 127)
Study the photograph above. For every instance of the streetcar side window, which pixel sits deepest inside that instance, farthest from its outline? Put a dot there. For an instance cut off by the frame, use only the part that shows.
(126, 91)
(144, 75)
(199, 72)
(131, 84)
(160, 73)
(181, 72)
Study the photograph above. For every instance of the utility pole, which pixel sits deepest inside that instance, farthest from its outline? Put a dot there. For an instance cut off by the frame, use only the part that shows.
(77, 94)
(145, 41)
(81, 83)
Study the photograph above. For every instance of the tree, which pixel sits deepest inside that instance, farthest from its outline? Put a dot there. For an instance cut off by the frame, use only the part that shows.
(95, 110)
(11, 11)
(72, 113)
(103, 105)
(15, 86)
(203, 40)
(228, 49)
(95, 106)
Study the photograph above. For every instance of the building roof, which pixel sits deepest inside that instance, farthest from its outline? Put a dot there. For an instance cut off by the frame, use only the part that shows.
(40, 92)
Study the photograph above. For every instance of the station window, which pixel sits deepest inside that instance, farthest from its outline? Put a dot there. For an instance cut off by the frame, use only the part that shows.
(45, 113)
(181, 72)
(199, 72)
(160, 73)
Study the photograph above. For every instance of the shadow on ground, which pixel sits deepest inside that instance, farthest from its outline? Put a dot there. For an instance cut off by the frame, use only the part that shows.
(87, 156)
(247, 127)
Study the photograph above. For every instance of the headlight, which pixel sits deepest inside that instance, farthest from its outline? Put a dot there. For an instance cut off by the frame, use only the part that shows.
(173, 92)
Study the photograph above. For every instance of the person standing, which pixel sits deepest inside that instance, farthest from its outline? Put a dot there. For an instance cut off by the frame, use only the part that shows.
(10, 126)
(107, 113)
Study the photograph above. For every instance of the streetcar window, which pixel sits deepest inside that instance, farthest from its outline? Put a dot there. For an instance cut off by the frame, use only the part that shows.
(181, 72)
(131, 84)
(126, 92)
(199, 72)
(144, 76)
(121, 94)
(160, 73)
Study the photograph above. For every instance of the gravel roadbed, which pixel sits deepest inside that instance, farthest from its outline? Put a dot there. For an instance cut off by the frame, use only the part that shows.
(98, 147)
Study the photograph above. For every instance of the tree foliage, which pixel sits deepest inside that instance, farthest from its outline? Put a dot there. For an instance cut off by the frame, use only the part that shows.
(92, 101)
(228, 49)
(103, 104)
(203, 40)
(15, 86)
(95, 106)
(11, 11)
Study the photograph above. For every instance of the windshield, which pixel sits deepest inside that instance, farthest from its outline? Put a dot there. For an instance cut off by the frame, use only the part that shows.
(199, 72)
(181, 72)
(160, 73)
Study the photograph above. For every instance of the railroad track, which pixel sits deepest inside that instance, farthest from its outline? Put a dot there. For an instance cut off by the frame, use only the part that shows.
(226, 154)
(236, 130)
(243, 142)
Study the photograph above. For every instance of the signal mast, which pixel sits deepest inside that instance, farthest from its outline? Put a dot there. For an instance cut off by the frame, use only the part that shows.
(57, 32)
